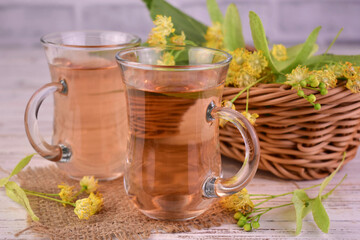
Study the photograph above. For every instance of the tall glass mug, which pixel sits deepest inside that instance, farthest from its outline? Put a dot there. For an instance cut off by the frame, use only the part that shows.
(173, 167)
(90, 125)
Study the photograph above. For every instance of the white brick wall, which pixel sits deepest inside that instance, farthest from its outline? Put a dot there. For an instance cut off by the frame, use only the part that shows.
(22, 22)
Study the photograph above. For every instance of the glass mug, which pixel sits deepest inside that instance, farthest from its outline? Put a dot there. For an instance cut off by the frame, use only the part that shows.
(173, 166)
(90, 127)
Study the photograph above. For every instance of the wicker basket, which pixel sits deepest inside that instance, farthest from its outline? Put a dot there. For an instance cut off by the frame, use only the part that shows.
(297, 142)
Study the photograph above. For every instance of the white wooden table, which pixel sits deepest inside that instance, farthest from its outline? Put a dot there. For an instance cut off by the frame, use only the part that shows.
(23, 71)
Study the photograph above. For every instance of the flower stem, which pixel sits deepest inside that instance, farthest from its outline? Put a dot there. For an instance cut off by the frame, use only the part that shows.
(50, 198)
(267, 209)
(47, 194)
(78, 193)
(280, 195)
(248, 87)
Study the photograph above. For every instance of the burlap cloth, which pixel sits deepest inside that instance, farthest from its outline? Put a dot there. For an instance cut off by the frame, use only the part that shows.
(118, 218)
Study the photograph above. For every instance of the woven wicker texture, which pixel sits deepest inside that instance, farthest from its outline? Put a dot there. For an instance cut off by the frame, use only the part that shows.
(297, 142)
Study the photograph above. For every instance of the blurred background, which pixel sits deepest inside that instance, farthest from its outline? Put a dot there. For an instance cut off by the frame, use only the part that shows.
(23, 22)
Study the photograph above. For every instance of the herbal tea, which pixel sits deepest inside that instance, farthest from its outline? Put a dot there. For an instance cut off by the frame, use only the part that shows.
(171, 149)
(91, 118)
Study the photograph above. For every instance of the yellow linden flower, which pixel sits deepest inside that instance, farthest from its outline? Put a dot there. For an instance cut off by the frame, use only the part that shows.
(89, 184)
(163, 25)
(97, 202)
(239, 201)
(296, 76)
(239, 57)
(228, 104)
(83, 208)
(337, 69)
(251, 117)
(66, 193)
(166, 59)
(163, 28)
(326, 76)
(156, 39)
(279, 52)
(86, 207)
(178, 39)
(244, 78)
(256, 63)
(350, 71)
(353, 84)
(214, 36)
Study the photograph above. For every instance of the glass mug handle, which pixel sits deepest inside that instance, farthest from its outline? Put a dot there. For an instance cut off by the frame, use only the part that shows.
(219, 187)
(56, 153)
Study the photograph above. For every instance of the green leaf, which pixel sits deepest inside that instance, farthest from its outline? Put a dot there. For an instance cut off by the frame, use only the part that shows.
(321, 60)
(292, 52)
(233, 36)
(148, 3)
(214, 11)
(18, 195)
(302, 204)
(320, 216)
(3, 181)
(259, 39)
(305, 51)
(25, 161)
(193, 29)
(328, 179)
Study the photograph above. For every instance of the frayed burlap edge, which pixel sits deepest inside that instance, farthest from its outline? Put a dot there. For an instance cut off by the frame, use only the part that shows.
(118, 218)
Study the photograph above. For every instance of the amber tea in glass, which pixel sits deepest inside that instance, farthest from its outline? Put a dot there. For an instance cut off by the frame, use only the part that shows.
(173, 167)
(90, 125)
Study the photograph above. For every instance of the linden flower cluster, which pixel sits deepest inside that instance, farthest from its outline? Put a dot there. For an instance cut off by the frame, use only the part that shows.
(214, 36)
(163, 34)
(321, 80)
(245, 68)
(85, 207)
(229, 104)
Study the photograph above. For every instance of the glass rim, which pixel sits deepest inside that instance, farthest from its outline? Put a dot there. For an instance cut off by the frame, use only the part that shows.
(194, 67)
(45, 40)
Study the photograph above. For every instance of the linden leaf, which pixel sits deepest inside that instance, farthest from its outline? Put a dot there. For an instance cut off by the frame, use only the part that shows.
(17, 194)
(233, 37)
(3, 181)
(25, 161)
(259, 39)
(328, 179)
(305, 51)
(292, 52)
(302, 204)
(319, 61)
(320, 216)
(214, 11)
